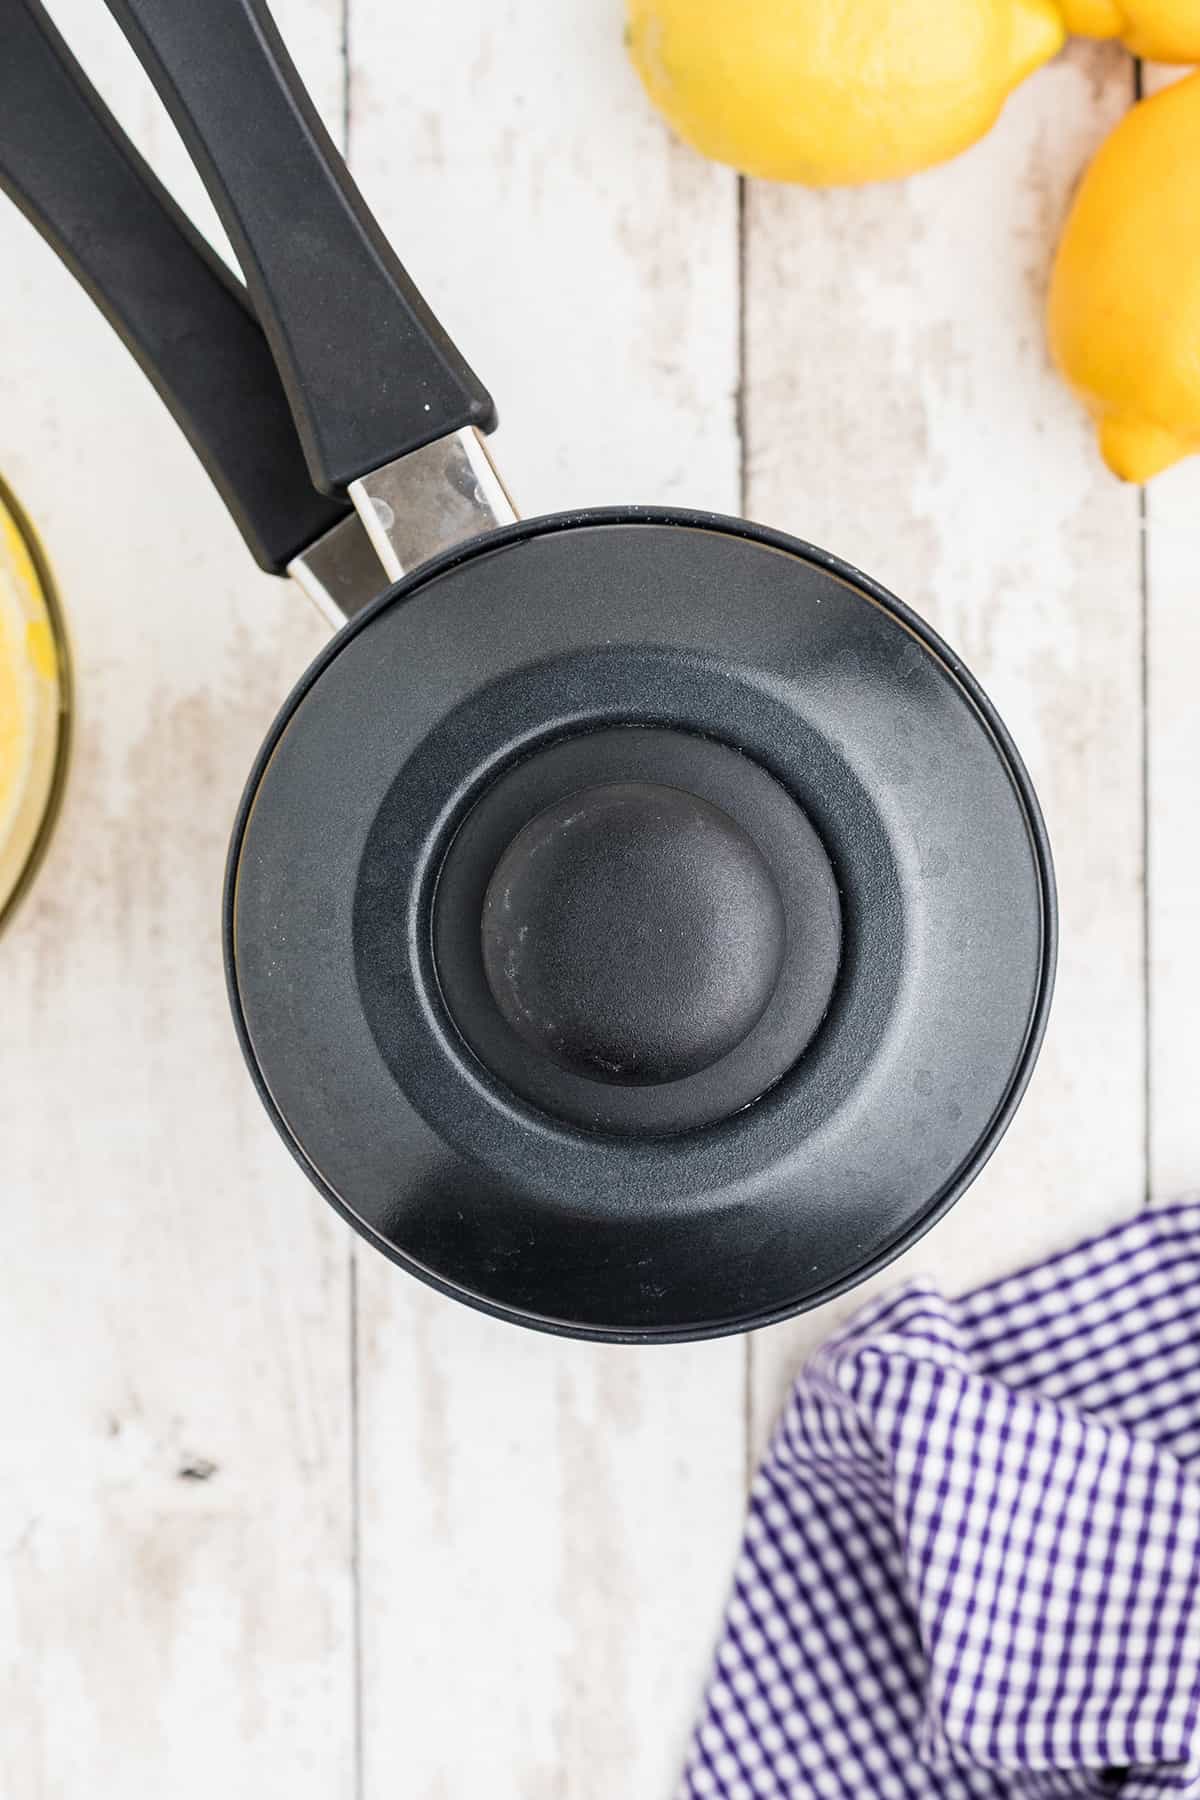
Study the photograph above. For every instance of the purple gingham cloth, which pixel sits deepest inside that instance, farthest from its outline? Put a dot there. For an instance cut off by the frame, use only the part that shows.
(971, 1564)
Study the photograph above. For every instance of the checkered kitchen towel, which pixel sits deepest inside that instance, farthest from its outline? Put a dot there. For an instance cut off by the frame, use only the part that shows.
(972, 1559)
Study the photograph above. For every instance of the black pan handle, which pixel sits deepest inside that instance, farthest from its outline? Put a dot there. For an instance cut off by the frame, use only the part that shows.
(369, 371)
(78, 179)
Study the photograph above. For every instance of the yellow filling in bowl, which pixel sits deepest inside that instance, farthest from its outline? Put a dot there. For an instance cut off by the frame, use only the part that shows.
(33, 690)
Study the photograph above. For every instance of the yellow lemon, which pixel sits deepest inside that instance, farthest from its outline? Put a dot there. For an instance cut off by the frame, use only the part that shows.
(1124, 308)
(1163, 30)
(836, 91)
(32, 704)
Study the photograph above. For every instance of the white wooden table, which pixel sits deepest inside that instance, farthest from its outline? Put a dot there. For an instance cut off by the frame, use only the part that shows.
(274, 1519)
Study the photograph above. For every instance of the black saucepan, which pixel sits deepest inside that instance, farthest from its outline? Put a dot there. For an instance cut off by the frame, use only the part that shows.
(639, 924)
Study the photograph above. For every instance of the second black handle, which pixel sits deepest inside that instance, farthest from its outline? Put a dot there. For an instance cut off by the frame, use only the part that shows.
(369, 372)
(72, 171)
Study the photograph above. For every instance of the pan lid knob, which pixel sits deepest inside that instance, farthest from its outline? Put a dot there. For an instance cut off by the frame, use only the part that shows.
(632, 933)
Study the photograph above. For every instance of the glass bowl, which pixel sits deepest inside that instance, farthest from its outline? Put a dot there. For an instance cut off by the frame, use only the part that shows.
(35, 692)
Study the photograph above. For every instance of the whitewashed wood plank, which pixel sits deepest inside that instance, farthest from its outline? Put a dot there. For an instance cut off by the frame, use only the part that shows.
(584, 262)
(174, 1295)
(547, 1528)
(1173, 835)
(1173, 848)
(901, 410)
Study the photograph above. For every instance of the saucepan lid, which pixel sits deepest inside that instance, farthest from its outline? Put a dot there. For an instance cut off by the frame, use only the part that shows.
(638, 922)
(640, 925)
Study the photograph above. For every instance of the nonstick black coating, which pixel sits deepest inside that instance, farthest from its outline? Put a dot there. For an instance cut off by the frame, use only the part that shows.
(639, 617)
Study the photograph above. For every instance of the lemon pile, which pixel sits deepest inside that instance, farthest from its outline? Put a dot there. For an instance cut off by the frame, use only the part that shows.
(833, 92)
(1160, 30)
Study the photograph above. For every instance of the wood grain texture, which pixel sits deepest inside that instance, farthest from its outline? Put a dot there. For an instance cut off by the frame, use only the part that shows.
(274, 1518)
(1173, 844)
(902, 411)
(547, 1527)
(1173, 791)
(175, 1608)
